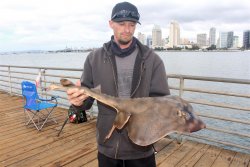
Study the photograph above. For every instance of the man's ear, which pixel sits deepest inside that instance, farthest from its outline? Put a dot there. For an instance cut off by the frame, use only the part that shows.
(111, 24)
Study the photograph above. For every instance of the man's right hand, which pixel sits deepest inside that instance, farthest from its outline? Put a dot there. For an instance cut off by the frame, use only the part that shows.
(76, 96)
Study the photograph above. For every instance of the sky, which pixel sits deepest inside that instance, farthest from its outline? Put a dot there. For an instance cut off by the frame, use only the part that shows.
(57, 24)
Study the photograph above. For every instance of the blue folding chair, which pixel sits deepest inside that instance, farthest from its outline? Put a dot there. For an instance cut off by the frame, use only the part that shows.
(35, 106)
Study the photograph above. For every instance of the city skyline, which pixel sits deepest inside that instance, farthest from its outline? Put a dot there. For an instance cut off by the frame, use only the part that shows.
(52, 25)
(225, 39)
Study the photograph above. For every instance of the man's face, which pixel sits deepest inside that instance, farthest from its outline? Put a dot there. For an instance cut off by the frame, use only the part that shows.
(123, 31)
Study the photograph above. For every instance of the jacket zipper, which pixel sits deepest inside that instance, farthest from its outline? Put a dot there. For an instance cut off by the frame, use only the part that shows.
(142, 69)
(116, 86)
(117, 146)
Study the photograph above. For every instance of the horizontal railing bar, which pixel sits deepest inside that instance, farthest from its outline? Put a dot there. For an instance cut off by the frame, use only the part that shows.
(217, 141)
(215, 79)
(4, 75)
(4, 71)
(45, 68)
(22, 72)
(212, 92)
(62, 76)
(4, 80)
(224, 119)
(219, 105)
(227, 131)
(4, 85)
(216, 92)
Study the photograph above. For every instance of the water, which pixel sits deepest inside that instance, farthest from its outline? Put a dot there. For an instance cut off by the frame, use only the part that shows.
(215, 64)
(211, 64)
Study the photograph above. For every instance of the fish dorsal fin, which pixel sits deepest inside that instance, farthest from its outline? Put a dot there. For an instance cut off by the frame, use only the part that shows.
(66, 82)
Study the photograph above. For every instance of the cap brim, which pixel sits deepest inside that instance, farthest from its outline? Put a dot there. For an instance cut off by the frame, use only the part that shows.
(125, 19)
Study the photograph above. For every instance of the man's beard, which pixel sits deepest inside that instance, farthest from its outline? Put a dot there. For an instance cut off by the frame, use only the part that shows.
(121, 42)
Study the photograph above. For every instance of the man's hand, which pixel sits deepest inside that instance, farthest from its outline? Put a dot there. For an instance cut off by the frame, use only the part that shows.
(76, 96)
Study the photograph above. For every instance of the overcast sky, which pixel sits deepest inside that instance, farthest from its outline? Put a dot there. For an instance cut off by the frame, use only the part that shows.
(55, 24)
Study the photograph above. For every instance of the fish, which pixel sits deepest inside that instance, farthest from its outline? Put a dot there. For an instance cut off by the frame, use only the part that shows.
(147, 119)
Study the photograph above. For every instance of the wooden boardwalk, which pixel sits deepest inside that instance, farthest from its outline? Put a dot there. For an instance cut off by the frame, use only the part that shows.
(22, 146)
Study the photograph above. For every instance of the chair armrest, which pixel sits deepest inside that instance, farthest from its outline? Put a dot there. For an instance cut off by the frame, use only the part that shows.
(51, 99)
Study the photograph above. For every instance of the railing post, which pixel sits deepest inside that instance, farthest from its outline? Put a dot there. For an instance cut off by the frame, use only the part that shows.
(43, 71)
(181, 90)
(10, 85)
(179, 137)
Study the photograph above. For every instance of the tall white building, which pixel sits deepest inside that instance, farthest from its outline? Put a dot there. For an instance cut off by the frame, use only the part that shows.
(226, 39)
(223, 40)
(156, 37)
(236, 42)
(141, 37)
(202, 40)
(212, 36)
(149, 41)
(230, 39)
(174, 34)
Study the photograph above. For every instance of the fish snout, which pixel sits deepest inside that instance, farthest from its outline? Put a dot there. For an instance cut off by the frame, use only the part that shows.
(195, 125)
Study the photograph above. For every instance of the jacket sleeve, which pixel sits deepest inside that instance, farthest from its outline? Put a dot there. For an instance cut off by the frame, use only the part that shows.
(87, 81)
(159, 81)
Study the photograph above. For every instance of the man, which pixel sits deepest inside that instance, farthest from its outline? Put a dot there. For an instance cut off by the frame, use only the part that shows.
(124, 68)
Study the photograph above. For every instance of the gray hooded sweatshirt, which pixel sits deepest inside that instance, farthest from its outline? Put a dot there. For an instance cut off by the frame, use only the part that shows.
(149, 79)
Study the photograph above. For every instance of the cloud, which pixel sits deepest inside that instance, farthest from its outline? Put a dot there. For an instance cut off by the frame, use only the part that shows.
(37, 24)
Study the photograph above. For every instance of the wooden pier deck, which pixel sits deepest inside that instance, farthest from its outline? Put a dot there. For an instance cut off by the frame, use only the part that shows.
(22, 146)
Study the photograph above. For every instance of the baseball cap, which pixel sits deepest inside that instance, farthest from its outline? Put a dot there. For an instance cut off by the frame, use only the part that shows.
(125, 11)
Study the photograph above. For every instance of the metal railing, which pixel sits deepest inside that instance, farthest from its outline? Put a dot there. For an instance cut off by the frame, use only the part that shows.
(11, 77)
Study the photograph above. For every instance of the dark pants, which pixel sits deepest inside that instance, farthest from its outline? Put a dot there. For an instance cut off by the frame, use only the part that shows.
(105, 161)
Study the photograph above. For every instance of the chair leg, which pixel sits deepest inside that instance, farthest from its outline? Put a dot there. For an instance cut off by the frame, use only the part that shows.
(49, 113)
(39, 115)
(31, 118)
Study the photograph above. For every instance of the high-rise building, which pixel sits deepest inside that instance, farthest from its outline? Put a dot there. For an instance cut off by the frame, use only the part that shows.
(236, 42)
(202, 40)
(223, 40)
(174, 34)
(141, 38)
(212, 36)
(230, 39)
(156, 37)
(149, 41)
(226, 39)
(246, 39)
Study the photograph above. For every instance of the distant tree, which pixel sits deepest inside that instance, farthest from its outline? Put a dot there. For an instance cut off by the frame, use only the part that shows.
(195, 47)
(212, 47)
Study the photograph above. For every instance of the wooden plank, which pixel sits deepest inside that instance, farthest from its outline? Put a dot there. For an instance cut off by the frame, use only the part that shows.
(93, 163)
(240, 160)
(80, 159)
(178, 155)
(190, 155)
(44, 155)
(209, 157)
(224, 159)
(196, 157)
(40, 140)
(161, 144)
(167, 151)
(30, 152)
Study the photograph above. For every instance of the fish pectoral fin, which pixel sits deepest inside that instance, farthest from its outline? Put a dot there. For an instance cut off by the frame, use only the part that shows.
(109, 134)
(121, 119)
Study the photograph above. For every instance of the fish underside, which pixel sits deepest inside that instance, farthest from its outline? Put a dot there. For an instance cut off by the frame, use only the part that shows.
(147, 119)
